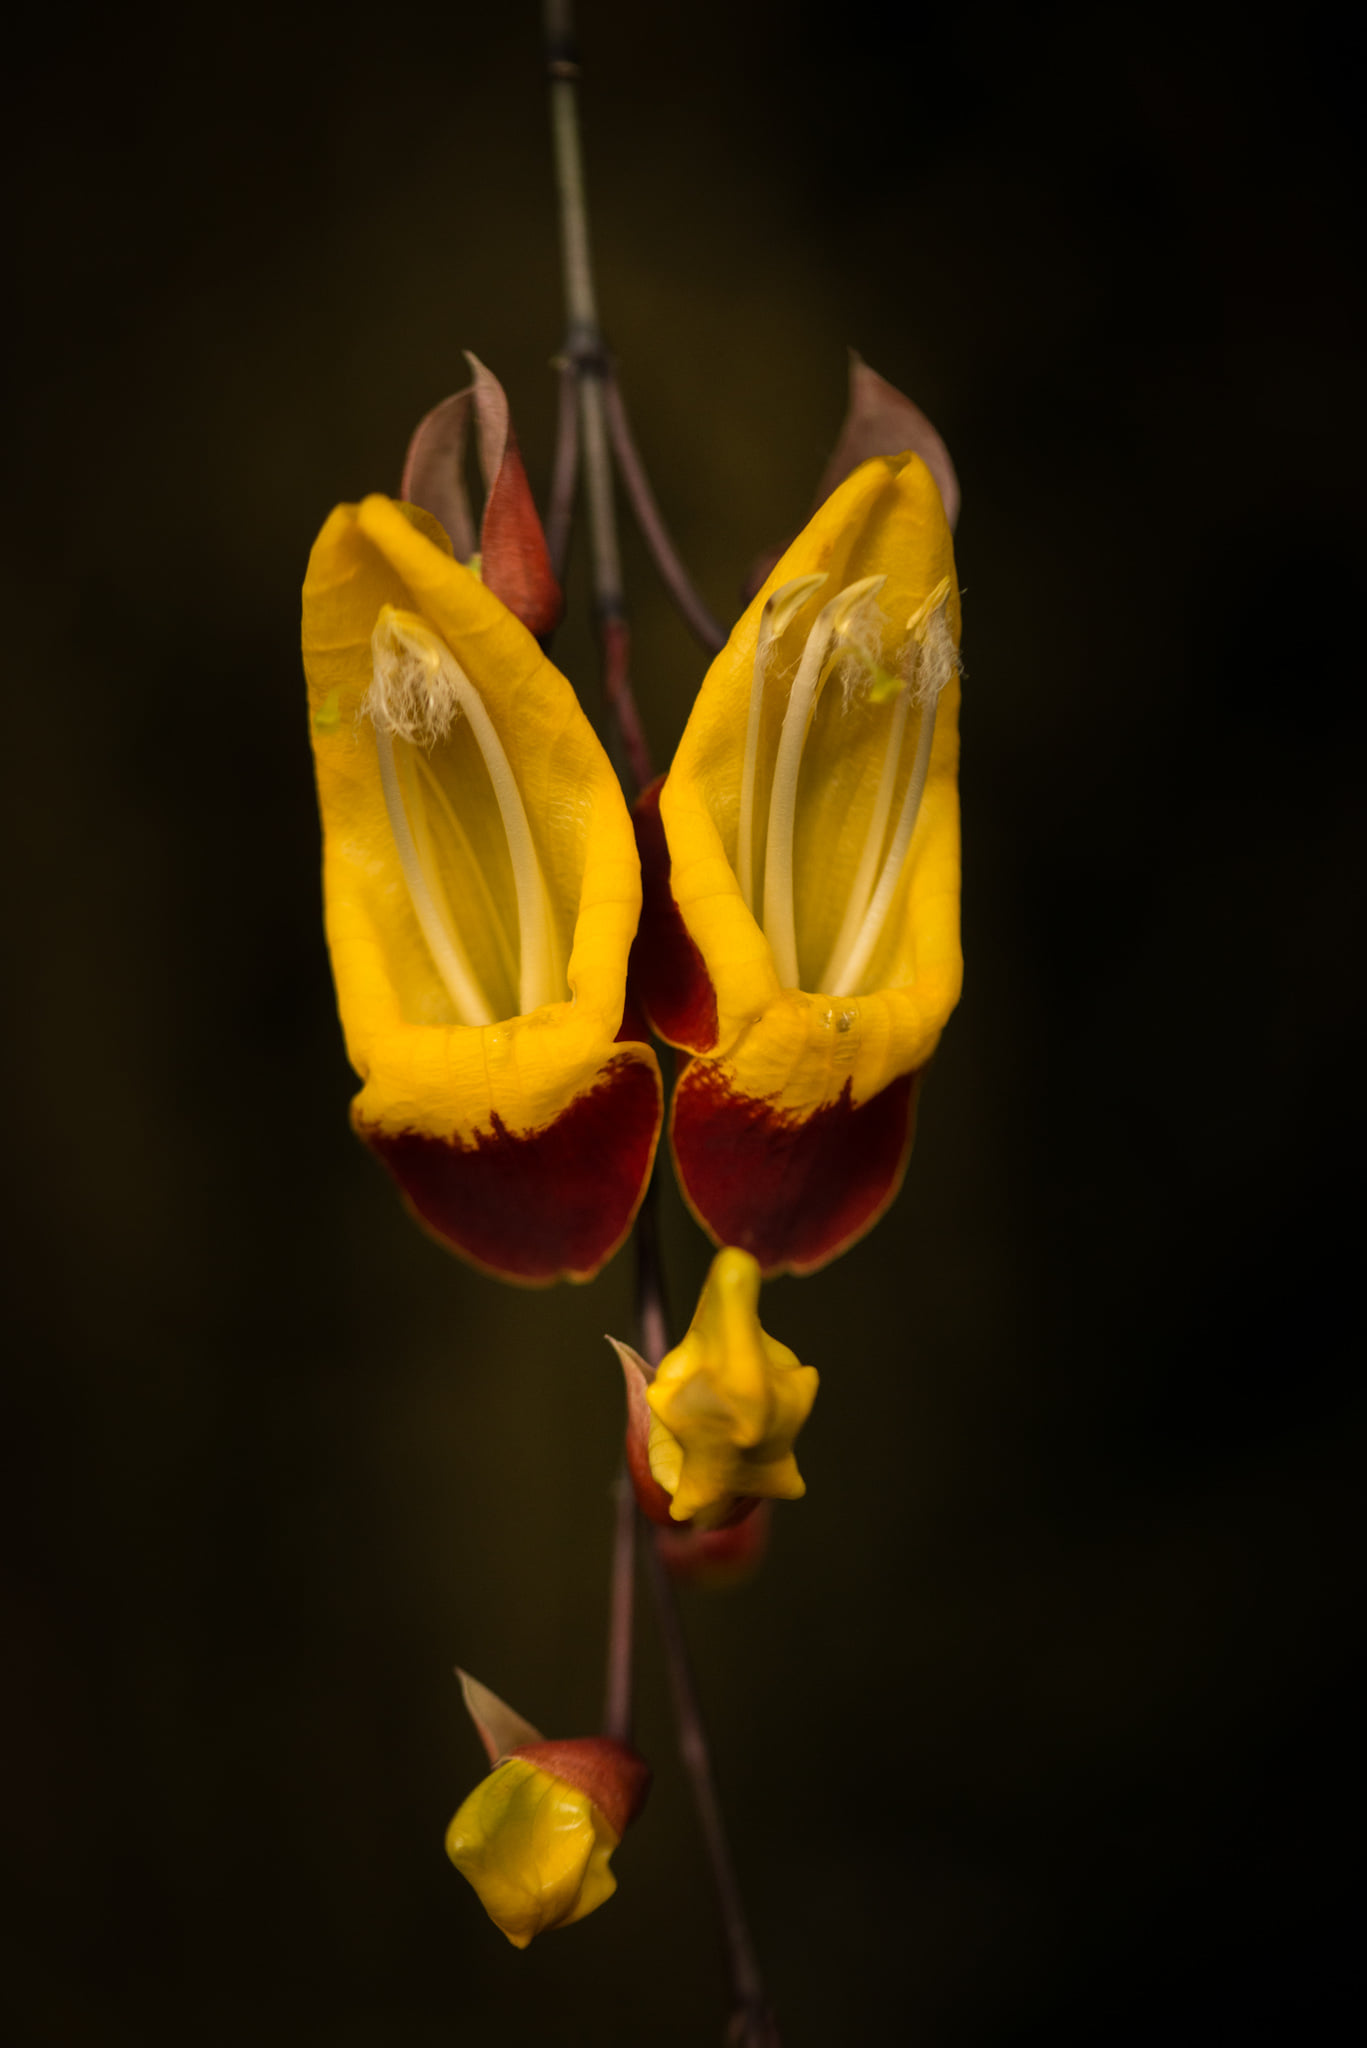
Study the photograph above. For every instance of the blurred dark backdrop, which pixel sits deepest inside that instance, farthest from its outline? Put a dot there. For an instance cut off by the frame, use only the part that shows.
(1035, 1728)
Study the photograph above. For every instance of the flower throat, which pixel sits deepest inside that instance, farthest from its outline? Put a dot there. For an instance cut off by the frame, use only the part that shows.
(418, 692)
(925, 665)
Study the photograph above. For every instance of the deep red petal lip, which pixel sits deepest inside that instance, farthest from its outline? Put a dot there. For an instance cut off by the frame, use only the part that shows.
(667, 970)
(538, 1206)
(792, 1190)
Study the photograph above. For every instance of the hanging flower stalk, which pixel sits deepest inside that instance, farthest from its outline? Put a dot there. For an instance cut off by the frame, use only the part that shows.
(790, 924)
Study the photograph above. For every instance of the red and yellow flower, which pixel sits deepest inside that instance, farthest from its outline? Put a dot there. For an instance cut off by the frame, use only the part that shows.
(482, 890)
(801, 860)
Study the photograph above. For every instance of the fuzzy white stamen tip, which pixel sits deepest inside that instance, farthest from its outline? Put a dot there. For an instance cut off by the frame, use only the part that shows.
(412, 693)
(937, 659)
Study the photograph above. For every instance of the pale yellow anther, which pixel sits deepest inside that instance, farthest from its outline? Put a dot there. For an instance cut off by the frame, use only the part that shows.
(931, 603)
(841, 610)
(787, 601)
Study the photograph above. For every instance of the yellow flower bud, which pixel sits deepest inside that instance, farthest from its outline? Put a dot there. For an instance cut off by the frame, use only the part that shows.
(534, 1848)
(535, 1837)
(727, 1403)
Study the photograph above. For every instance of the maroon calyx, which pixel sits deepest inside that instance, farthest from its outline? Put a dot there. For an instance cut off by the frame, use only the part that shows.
(515, 562)
(667, 970)
(714, 1560)
(614, 1777)
(651, 1497)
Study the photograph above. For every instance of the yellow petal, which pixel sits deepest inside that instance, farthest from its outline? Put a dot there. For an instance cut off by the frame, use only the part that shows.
(728, 1402)
(535, 1849)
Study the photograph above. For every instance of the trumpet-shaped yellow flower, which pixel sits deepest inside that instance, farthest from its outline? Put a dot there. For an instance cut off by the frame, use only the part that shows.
(727, 1404)
(802, 873)
(535, 1848)
(482, 890)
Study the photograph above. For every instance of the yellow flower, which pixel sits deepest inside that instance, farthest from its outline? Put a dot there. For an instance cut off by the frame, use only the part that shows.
(535, 1837)
(802, 877)
(535, 1848)
(727, 1404)
(482, 890)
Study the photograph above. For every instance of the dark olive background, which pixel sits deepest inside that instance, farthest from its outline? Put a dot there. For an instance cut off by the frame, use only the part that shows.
(1035, 1727)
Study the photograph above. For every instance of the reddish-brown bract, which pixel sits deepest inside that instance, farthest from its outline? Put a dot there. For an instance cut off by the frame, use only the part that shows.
(537, 1206)
(717, 1558)
(666, 969)
(651, 1497)
(515, 564)
(613, 1776)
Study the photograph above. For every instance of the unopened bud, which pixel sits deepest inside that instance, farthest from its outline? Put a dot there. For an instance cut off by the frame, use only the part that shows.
(536, 1836)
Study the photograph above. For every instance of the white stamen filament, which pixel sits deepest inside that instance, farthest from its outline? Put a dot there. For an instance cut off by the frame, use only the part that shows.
(779, 921)
(936, 662)
(856, 904)
(419, 689)
(785, 602)
(448, 955)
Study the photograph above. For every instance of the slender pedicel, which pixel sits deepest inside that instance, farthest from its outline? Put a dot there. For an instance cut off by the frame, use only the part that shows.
(779, 923)
(781, 608)
(936, 662)
(419, 690)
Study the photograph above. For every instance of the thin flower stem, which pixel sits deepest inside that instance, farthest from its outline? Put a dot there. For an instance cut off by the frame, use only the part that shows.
(565, 472)
(617, 1696)
(752, 2023)
(653, 1338)
(582, 433)
(652, 1312)
(673, 574)
(622, 702)
(587, 357)
(586, 360)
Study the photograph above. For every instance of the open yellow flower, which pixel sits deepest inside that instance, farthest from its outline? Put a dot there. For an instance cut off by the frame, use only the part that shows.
(482, 889)
(727, 1404)
(801, 936)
